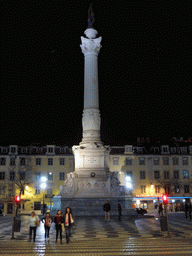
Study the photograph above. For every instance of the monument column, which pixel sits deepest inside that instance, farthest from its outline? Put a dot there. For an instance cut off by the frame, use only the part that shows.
(91, 117)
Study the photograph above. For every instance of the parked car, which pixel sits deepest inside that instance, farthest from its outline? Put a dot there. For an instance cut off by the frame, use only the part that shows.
(141, 210)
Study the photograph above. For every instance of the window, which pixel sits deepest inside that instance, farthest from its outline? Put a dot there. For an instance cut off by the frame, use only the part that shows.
(22, 161)
(129, 173)
(190, 149)
(2, 161)
(165, 149)
(175, 161)
(2, 175)
(157, 188)
(140, 150)
(62, 176)
(142, 175)
(183, 150)
(2, 191)
(176, 188)
(50, 176)
(166, 174)
(173, 150)
(37, 190)
(23, 150)
(12, 161)
(128, 161)
(141, 161)
(186, 189)
(156, 161)
(4, 150)
(115, 161)
(38, 161)
(143, 189)
(62, 161)
(50, 149)
(13, 150)
(128, 149)
(50, 161)
(63, 150)
(37, 176)
(22, 175)
(165, 160)
(12, 175)
(185, 174)
(176, 174)
(157, 174)
(185, 160)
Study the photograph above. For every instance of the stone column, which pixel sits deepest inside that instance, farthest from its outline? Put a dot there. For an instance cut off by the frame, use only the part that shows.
(91, 116)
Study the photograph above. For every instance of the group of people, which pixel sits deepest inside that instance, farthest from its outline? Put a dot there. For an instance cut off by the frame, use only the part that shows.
(107, 209)
(62, 223)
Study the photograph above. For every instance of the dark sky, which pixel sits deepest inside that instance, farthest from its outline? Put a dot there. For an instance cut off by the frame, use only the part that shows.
(144, 70)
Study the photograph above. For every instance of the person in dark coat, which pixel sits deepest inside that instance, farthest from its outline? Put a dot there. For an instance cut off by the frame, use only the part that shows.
(161, 209)
(69, 222)
(106, 209)
(58, 219)
(186, 209)
(119, 211)
(190, 207)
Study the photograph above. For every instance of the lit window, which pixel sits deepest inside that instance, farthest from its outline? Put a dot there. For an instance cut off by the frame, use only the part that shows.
(185, 174)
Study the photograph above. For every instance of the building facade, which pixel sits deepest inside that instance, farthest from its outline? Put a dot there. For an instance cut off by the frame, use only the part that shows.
(21, 169)
(152, 170)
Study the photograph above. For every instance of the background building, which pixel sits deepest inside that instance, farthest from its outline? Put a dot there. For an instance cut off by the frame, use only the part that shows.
(21, 169)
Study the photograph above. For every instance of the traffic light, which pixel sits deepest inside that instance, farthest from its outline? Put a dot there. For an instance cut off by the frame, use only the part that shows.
(17, 200)
(165, 199)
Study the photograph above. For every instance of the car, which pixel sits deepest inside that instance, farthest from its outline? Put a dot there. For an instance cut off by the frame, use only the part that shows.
(141, 210)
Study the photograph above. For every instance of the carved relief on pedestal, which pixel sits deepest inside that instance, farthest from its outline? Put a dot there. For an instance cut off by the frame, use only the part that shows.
(91, 119)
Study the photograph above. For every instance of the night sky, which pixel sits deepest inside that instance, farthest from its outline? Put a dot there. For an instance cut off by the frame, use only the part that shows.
(144, 70)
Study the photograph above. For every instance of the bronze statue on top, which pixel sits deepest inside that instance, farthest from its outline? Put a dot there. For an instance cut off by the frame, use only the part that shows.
(91, 19)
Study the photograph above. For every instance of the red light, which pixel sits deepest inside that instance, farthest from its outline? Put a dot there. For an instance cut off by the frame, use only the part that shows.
(165, 199)
(17, 199)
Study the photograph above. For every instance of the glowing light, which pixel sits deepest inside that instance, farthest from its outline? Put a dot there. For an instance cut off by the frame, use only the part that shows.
(26, 187)
(173, 201)
(128, 185)
(43, 185)
(151, 186)
(127, 178)
(183, 200)
(44, 179)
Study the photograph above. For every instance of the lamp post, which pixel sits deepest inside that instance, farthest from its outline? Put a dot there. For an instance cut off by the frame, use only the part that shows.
(43, 186)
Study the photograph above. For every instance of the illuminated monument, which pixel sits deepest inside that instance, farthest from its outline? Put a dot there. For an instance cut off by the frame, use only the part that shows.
(87, 188)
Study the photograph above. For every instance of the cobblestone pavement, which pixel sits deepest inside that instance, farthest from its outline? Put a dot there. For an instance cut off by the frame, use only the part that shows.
(94, 236)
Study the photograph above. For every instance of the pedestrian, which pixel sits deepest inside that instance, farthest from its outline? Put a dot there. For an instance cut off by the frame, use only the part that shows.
(161, 209)
(119, 210)
(47, 224)
(33, 222)
(190, 207)
(106, 209)
(69, 222)
(186, 209)
(58, 219)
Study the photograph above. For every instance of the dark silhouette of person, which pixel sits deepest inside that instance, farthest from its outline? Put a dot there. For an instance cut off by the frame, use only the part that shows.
(186, 209)
(119, 211)
(106, 209)
(189, 208)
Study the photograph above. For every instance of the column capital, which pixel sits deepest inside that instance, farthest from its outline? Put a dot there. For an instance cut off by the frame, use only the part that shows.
(90, 46)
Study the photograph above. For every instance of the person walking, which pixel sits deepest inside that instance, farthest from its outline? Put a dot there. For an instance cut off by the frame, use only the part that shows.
(107, 208)
(190, 207)
(119, 210)
(186, 209)
(161, 209)
(58, 219)
(69, 222)
(33, 222)
(47, 224)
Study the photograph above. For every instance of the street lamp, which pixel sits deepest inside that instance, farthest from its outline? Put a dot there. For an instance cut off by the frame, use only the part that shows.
(43, 186)
(128, 182)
